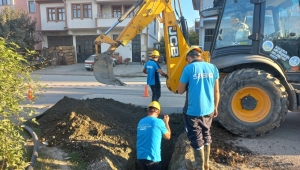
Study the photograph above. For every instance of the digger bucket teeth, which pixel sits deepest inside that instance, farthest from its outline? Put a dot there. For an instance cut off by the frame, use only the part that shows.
(103, 70)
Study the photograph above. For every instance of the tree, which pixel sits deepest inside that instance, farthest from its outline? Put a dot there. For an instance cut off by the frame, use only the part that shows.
(18, 27)
(14, 80)
(193, 38)
(162, 49)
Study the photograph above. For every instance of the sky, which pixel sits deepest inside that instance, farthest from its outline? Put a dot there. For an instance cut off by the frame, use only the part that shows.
(188, 11)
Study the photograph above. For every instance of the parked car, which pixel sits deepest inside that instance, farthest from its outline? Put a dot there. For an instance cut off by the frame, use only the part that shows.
(89, 62)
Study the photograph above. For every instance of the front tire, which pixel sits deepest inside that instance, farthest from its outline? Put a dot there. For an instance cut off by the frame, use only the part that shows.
(252, 103)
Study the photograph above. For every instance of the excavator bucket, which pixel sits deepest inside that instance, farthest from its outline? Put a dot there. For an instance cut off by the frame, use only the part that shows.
(103, 70)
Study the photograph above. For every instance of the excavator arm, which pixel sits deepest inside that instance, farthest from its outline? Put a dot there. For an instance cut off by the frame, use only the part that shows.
(175, 41)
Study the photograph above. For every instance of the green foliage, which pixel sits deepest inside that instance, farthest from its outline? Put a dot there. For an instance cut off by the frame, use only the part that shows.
(16, 26)
(193, 38)
(14, 81)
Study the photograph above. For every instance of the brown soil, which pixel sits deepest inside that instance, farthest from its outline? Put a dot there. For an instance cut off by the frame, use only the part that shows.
(104, 129)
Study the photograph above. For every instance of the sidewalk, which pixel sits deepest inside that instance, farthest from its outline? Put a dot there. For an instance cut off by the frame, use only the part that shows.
(78, 69)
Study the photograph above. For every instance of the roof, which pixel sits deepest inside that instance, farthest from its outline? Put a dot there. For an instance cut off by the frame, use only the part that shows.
(196, 4)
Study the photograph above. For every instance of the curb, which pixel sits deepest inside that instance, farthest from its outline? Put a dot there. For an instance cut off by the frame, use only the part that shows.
(80, 74)
(35, 147)
(92, 85)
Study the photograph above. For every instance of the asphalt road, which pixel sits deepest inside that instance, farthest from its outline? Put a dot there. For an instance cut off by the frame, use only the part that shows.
(282, 144)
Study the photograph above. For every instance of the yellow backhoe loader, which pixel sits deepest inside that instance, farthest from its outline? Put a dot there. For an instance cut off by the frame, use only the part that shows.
(145, 11)
(256, 47)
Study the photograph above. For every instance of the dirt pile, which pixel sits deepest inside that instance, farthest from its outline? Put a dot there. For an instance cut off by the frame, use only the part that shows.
(103, 132)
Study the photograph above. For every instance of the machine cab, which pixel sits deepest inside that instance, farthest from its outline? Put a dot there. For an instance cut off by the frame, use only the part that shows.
(275, 34)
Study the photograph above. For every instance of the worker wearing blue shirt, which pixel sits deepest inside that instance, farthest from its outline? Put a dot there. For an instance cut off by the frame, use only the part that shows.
(152, 69)
(202, 102)
(149, 134)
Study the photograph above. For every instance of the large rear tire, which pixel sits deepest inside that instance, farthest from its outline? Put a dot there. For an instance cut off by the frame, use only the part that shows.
(252, 103)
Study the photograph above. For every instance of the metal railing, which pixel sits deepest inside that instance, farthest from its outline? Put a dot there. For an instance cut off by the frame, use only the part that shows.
(103, 16)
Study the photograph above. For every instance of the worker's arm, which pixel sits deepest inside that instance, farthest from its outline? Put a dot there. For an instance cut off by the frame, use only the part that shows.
(162, 73)
(167, 135)
(181, 88)
(217, 97)
(145, 71)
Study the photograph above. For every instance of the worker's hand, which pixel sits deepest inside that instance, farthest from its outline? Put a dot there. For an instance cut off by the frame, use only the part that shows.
(215, 113)
(166, 119)
(166, 76)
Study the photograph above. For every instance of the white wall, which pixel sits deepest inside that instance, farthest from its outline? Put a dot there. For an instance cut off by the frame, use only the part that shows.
(125, 51)
(50, 25)
(78, 22)
(207, 23)
(207, 3)
(108, 22)
(80, 32)
(153, 33)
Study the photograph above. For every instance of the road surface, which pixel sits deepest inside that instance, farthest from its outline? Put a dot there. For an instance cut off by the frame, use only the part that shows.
(282, 144)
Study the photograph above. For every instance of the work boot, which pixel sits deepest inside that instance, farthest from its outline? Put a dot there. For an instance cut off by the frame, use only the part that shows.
(206, 156)
(199, 158)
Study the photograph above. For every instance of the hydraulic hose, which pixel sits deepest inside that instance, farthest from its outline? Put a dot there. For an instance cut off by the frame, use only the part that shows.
(35, 147)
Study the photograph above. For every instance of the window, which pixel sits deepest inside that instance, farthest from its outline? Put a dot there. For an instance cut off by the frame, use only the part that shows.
(31, 6)
(76, 11)
(236, 24)
(4, 2)
(126, 9)
(51, 14)
(56, 14)
(87, 11)
(61, 14)
(209, 34)
(116, 11)
(82, 11)
(115, 36)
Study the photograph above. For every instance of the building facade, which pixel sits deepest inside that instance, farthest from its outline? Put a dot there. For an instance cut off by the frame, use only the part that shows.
(206, 26)
(78, 22)
(32, 8)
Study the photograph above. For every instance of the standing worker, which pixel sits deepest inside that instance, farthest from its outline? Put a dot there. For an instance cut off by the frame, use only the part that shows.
(152, 69)
(149, 134)
(202, 102)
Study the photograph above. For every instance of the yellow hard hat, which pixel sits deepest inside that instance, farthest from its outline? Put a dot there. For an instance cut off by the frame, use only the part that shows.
(194, 47)
(155, 53)
(154, 104)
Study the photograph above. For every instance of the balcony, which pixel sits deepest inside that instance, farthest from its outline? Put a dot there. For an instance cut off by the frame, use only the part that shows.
(113, 1)
(107, 20)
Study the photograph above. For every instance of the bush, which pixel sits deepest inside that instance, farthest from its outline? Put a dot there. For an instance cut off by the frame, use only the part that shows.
(14, 81)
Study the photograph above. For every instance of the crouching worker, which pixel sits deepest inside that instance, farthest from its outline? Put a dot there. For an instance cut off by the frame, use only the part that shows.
(149, 134)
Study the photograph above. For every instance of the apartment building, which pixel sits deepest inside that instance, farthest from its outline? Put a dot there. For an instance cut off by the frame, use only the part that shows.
(205, 26)
(79, 22)
(32, 8)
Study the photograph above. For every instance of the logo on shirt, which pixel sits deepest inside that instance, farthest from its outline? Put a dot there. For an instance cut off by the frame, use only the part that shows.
(202, 75)
(173, 38)
(151, 67)
(144, 126)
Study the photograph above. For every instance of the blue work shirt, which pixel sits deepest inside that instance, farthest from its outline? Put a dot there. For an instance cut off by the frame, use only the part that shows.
(153, 76)
(149, 134)
(200, 77)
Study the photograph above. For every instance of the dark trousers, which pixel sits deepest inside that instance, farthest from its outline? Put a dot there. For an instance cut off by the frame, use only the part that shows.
(156, 92)
(198, 129)
(149, 165)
